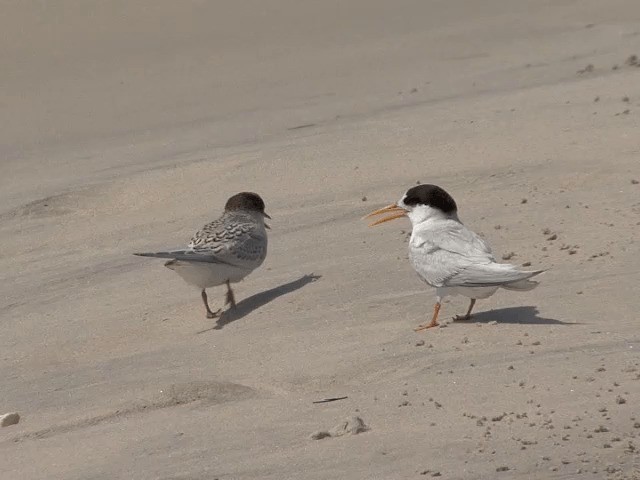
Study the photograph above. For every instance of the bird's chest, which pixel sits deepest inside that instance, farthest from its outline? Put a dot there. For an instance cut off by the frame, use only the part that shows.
(420, 252)
(420, 247)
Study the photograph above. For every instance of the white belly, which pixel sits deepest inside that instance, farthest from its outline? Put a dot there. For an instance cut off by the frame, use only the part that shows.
(470, 292)
(207, 275)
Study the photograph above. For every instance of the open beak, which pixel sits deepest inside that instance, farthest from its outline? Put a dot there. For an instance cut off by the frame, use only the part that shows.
(266, 216)
(394, 210)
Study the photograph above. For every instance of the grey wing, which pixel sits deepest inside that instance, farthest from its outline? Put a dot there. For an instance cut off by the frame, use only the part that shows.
(454, 256)
(441, 254)
(493, 275)
(233, 242)
(188, 255)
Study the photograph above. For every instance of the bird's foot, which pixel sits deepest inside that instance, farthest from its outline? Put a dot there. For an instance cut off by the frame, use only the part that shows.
(424, 327)
(215, 314)
(461, 318)
(230, 300)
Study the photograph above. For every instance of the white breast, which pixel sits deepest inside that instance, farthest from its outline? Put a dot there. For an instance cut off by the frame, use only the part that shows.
(207, 275)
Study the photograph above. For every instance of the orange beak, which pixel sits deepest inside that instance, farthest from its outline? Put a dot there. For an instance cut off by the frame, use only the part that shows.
(394, 210)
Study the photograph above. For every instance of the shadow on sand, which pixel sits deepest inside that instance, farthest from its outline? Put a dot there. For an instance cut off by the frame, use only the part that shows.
(254, 302)
(527, 315)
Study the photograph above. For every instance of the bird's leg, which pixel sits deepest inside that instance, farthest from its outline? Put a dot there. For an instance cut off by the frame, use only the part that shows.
(210, 314)
(434, 319)
(230, 298)
(468, 315)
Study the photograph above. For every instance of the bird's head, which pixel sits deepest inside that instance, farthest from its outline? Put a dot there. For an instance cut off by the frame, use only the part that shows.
(247, 202)
(419, 203)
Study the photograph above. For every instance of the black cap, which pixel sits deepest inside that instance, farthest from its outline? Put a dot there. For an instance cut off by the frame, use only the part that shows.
(430, 195)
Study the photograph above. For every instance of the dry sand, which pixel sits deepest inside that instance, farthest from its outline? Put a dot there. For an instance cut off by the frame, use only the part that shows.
(126, 125)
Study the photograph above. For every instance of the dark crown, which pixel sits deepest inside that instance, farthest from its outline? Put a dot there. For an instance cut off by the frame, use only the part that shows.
(430, 195)
(245, 201)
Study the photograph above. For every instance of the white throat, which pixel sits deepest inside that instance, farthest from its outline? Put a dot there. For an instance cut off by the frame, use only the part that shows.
(423, 213)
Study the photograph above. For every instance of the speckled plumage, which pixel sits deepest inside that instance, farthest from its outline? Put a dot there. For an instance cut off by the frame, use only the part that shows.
(234, 238)
(224, 251)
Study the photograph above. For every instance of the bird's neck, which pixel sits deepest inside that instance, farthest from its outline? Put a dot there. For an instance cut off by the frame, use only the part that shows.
(423, 216)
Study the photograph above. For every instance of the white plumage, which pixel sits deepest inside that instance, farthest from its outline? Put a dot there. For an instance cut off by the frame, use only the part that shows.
(447, 255)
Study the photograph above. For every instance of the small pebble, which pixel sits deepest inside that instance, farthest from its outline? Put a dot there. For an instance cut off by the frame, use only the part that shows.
(351, 426)
(9, 419)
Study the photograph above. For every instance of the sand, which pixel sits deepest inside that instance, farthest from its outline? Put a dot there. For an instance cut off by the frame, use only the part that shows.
(126, 125)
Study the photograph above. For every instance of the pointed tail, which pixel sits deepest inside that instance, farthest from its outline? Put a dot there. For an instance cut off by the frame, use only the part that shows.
(525, 284)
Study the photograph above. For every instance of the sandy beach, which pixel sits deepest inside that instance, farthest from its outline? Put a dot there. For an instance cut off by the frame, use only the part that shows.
(125, 127)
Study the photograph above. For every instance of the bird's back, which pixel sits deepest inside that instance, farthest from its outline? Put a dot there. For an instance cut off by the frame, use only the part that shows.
(233, 238)
(445, 253)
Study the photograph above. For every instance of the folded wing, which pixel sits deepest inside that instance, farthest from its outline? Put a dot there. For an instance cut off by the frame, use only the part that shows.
(451, 255)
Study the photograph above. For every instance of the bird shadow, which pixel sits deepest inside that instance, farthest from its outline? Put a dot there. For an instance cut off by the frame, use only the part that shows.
(524, 315)
(254, 302)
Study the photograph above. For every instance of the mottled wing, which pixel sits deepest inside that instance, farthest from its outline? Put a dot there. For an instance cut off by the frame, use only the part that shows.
(232, 239)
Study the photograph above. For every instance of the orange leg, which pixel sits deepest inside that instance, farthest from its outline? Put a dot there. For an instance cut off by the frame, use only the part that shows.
(468, 315)
(434, 319)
